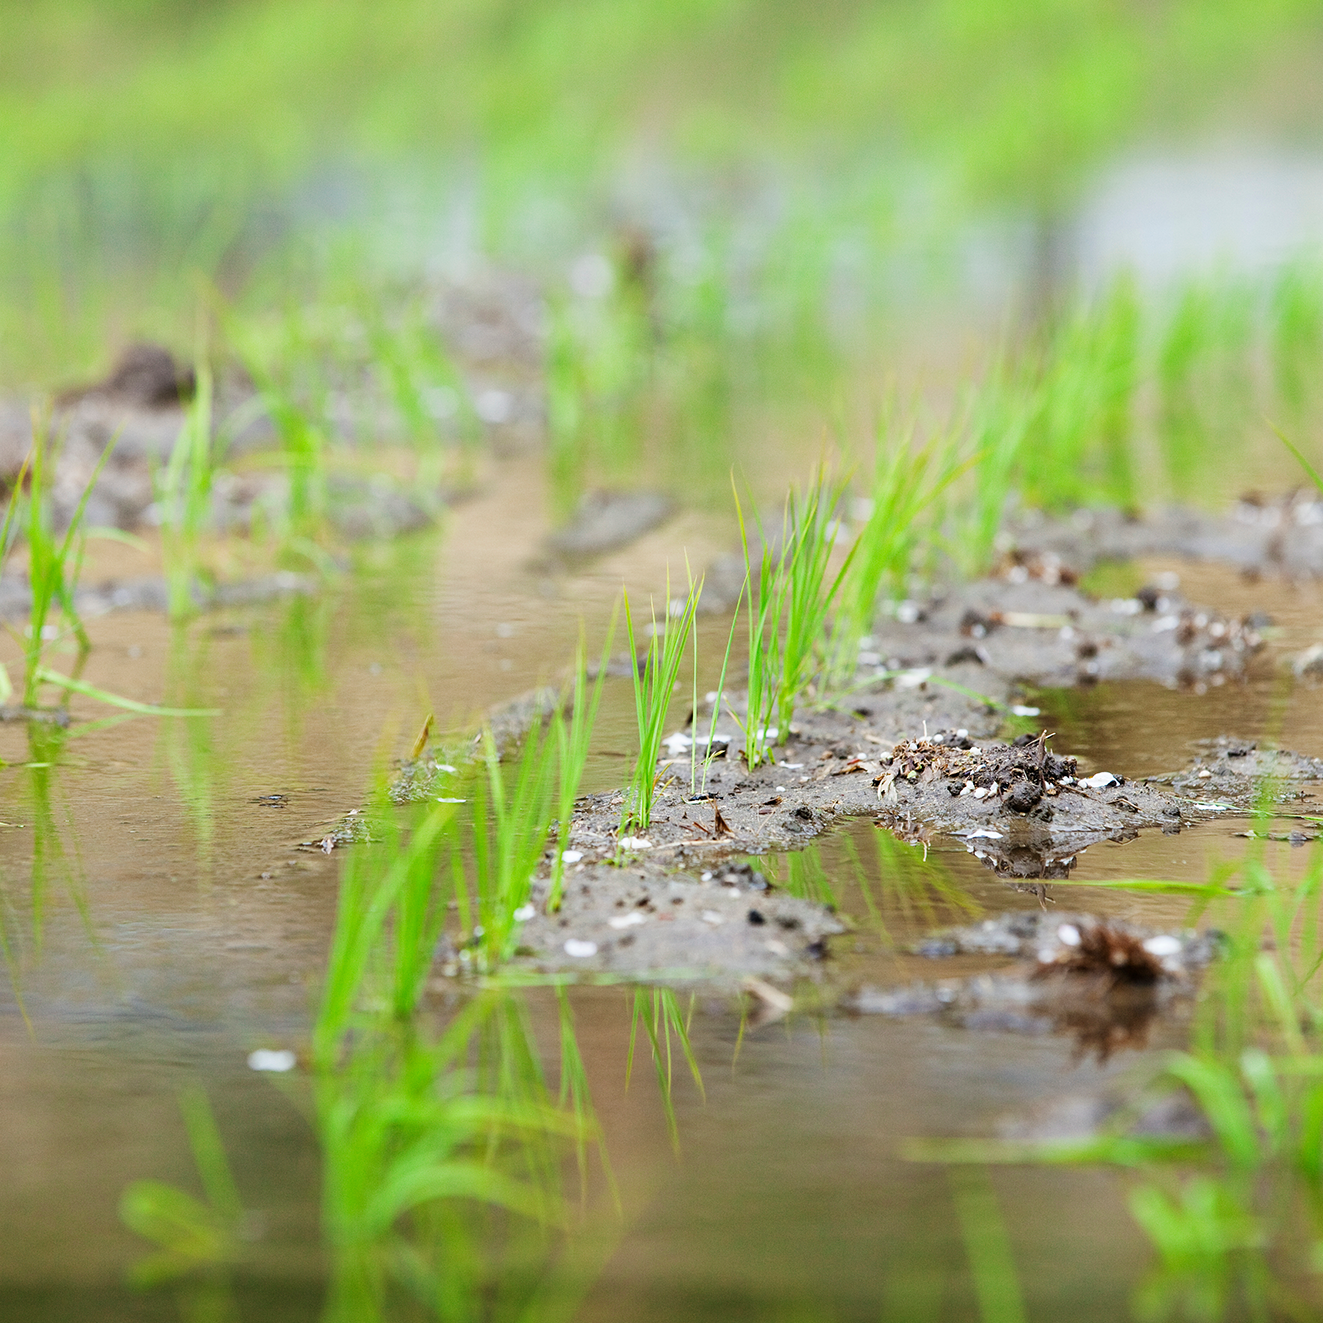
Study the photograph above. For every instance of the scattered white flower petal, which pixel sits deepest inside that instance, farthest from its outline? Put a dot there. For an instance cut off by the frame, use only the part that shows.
(1021, 710)
(1214, 808)
(581, 950)
(1163, 945)
(279, 1060)
(776, 946)
(635, 843)
(985, 832)
(1099, 781)
(676, 744)
(711, 916)
(1068, 935)
(630, 920)
(446, 767)
(449, 799)
(571, 856)
(524, 913)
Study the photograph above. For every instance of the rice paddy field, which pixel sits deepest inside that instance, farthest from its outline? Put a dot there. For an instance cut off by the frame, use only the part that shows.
(706, 616)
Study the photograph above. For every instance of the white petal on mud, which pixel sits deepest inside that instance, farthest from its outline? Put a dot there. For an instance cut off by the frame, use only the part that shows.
(711, 916)
(279, 1060)
(571, 856)
(985, 832)
(1099, 781)
(446, 767)
(1214, 808)
(1068, 935)
(776, 946)
(635, 843)
(630, 920)
(1163, 945)
(913, 679)
(1021, 710)
(524, 913)
(676, 744)
(580, 949)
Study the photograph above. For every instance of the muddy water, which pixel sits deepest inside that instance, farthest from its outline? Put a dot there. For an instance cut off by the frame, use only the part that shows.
(161, 923)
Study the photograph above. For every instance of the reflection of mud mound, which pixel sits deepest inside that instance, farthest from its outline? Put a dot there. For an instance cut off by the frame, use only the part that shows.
(1016, 862)
(1101, 981)
(1101, 1017)
(605, 521)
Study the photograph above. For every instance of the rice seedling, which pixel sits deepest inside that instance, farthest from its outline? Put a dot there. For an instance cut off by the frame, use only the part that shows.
(510, 820)
(788, 611)
(54, 562)
(654, 679)
(907, 481)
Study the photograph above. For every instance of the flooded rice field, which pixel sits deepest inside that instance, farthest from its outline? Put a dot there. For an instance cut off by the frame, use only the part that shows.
(170, 891)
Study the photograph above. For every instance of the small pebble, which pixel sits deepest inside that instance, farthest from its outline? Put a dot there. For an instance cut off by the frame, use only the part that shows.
(278, 1061)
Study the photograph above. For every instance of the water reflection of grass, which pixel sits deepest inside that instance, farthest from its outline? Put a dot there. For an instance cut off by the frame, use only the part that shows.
(899, 885)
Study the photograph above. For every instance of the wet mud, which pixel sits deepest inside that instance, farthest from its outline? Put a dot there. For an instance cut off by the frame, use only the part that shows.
(920, 747)
(1259, 536)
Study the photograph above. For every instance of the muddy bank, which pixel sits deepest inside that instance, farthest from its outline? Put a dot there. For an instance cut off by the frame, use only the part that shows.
(1259, 535)
(1051, 634)
(643, 917)
(915, 749)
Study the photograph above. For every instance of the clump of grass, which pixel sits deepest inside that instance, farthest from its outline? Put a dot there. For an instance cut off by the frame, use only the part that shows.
(655, 677)
(908, 479)
(54, 562)
(790, 599)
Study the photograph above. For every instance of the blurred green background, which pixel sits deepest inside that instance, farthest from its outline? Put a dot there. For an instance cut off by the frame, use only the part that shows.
(146, 145)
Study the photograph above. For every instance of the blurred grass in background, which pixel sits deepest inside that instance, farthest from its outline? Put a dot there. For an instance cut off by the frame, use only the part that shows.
(144, 143)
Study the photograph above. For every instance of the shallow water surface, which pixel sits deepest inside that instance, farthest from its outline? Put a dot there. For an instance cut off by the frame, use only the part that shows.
(161, 921)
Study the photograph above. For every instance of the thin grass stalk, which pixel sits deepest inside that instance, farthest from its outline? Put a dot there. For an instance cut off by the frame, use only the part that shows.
(710, 753)
(185, 495)
(573, 740)
(763, 619)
